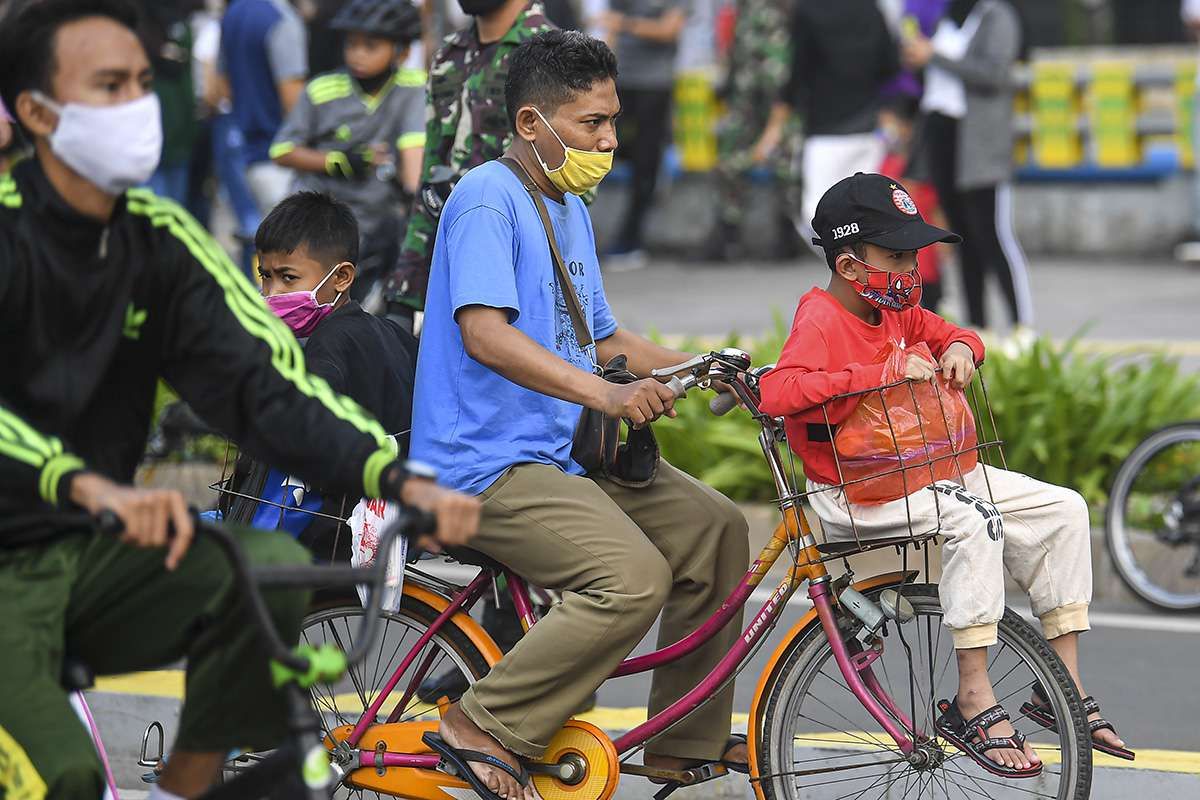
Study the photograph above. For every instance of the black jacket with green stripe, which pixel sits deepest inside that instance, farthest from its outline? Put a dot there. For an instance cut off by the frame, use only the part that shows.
(92, 315)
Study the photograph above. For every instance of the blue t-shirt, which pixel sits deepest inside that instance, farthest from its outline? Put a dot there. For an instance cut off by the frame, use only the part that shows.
(263, 43)
(470, 422)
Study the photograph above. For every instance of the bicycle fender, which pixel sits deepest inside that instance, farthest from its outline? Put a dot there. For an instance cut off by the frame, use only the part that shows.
(463, 621)
(883, 581)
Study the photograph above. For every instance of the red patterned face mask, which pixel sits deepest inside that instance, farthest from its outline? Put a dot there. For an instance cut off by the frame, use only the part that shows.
(894, 291)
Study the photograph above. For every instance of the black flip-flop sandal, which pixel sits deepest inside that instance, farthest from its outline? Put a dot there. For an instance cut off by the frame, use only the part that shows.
(1039, 711)
(960, 732)
(455, 762)
(736, 766)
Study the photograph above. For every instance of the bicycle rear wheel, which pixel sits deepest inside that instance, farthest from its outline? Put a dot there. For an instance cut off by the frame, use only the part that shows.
(343, 703)
(1153, 518)
(812, 721)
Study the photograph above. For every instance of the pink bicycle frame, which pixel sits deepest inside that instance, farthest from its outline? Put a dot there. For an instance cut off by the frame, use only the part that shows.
(856, 669)
(859, 677)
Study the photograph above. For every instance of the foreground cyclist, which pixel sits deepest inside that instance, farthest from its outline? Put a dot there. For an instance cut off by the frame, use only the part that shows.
(103, 290)
(871, 230)
(501, 376)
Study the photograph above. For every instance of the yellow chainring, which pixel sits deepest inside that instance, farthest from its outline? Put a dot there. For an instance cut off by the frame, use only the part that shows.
(584, 740)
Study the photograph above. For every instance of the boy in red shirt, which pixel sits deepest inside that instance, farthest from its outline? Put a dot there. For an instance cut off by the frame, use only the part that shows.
(871, 230)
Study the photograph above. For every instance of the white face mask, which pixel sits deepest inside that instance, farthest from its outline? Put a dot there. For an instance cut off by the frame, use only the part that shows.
(114, 147)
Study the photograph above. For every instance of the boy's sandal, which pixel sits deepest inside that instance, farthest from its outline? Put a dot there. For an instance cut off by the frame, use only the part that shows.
(455, 762)
(970, 737)
(1040, 712)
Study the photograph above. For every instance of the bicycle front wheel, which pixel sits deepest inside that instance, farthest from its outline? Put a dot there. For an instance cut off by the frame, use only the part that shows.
(1153, 518)
(819, 742)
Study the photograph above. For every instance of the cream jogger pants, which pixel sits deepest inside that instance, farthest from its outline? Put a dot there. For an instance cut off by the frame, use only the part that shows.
(1001, 519)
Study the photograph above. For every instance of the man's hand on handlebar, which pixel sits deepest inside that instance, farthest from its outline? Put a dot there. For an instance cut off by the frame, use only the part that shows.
(457, 514)
(640, 402)
(152, 517)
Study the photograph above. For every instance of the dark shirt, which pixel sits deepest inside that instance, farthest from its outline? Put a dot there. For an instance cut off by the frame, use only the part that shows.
(842, 55)
(371, 361)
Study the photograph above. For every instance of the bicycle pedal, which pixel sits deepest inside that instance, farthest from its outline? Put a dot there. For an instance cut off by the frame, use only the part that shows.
(150, 777)
(678, 777)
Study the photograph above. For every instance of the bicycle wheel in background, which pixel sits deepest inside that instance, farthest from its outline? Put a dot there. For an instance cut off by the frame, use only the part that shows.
(343, 703)
(812, 721)
(1153, 518)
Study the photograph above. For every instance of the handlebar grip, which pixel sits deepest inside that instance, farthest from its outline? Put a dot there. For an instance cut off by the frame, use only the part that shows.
(421, 523)
(676, 386)
(723, 403)
(109, 524)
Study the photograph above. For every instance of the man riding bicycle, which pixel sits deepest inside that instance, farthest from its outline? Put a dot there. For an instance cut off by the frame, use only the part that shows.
(104, 290)
(501, 378)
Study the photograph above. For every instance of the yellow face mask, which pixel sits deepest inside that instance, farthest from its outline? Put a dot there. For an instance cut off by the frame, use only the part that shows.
(580, 171)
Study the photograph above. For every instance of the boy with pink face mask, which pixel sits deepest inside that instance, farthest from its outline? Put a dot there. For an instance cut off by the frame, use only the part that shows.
(871, 230)
(307, 250)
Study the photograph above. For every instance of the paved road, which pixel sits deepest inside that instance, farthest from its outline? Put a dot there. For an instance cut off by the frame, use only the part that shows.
(1108, 300)
(1143, 675)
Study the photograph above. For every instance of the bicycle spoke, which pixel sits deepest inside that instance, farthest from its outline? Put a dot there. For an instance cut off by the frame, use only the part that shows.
(859, 777)
(1007, 785)
(889, 747)
(851, 734)
(350, 673)
(395, 652)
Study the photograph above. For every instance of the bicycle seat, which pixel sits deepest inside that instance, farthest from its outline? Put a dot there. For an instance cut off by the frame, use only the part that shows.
(76, 675)
(851, 547)
(474, 558)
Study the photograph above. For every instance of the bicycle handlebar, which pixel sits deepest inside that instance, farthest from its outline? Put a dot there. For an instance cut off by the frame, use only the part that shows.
(250, 580)
(724, 365)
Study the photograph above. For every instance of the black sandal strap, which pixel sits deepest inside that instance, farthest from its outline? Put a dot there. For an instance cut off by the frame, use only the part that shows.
(1014, 742)
(1101, 724)
(1090, 706)
(520, 776)
(987, 718)
(443, 748)
(733, 741)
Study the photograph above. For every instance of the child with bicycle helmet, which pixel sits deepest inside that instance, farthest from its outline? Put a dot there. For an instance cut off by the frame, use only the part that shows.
(358, 133)
(991, 520)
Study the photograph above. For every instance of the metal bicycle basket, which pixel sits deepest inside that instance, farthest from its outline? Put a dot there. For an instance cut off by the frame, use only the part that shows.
(915, 460)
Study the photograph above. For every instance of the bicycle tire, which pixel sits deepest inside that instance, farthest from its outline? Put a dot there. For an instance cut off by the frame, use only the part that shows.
(812, 649)
(1116, 535)
(421, 615)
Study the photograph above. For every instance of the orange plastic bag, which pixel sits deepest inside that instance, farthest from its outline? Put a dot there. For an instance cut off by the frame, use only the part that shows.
(907, 446)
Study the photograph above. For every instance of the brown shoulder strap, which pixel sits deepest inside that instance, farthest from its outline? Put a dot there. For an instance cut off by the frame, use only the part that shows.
(574, 309)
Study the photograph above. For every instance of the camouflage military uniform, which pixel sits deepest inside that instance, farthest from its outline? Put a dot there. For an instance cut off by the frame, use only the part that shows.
(760, 63)
(466, 125)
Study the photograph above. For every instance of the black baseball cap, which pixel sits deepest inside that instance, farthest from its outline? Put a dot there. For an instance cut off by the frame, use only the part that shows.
(876, 209)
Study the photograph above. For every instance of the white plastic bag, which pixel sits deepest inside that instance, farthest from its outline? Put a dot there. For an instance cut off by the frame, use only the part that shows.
(368, 521)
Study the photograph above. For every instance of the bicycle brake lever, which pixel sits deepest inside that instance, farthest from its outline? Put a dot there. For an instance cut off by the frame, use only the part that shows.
(691, 363)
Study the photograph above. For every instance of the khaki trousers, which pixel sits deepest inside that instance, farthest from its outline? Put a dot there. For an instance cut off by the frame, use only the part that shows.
(619, 556)
(996, 520)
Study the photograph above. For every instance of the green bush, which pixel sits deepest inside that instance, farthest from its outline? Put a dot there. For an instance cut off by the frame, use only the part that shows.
(1065, 415)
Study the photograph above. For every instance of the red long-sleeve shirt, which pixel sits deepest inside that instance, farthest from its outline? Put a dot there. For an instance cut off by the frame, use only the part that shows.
(830, 352)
